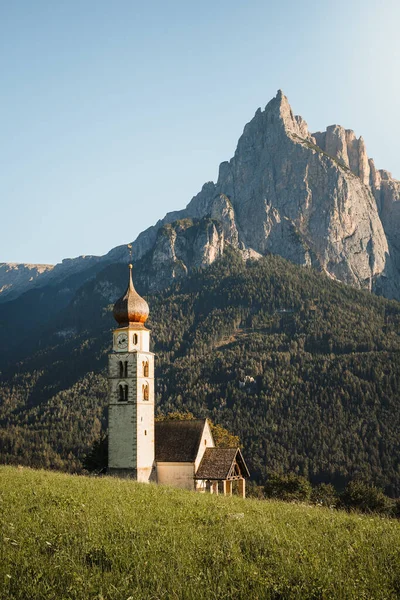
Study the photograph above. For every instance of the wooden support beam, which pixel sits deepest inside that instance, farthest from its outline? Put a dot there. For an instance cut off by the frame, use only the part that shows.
(242, 488)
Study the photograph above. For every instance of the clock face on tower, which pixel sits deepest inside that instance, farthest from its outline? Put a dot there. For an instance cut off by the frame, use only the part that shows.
(122, 341)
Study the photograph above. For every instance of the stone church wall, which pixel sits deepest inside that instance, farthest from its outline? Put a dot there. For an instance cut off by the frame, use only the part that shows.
(122, 436)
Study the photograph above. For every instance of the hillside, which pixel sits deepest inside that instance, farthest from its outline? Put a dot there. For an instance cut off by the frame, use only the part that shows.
(324, 358)
(80, 538)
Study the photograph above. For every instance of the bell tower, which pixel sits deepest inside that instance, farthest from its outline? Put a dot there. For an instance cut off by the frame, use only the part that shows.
(131, 390)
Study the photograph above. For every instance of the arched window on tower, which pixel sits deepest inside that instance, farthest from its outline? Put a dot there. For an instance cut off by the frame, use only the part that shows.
(145, 391)
(123, 369)
(123, 392)
(145, 368)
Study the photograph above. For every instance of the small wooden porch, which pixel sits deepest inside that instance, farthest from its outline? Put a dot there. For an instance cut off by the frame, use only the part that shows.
(223, 471)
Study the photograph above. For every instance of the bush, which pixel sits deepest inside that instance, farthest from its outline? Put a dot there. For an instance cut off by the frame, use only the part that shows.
(290, 487)
(96, 461)
(365, 498)
(324, 494)
(254, 491)
(396, 508)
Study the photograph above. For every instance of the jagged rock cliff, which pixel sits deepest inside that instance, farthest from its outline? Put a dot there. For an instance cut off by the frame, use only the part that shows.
(185, 244)
(343, 145)
(315, 199)
(386, 191)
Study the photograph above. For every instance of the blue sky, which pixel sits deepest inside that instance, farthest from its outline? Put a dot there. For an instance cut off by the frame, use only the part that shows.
(113, 113)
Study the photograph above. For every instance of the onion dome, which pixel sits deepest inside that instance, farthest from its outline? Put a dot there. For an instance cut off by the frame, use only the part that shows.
(130, 308)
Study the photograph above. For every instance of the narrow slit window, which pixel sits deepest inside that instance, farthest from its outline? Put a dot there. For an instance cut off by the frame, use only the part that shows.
(126, 368)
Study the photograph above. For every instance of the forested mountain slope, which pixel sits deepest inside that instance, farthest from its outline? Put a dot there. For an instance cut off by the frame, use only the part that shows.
(322, 362)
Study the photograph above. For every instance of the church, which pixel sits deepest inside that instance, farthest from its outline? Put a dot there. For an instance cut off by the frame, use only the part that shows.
(170, 452)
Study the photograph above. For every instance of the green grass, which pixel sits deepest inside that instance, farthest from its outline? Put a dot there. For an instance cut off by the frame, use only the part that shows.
(65, 536)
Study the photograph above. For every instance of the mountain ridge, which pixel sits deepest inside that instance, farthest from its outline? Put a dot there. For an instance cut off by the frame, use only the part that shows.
(17, 278)
(300, 206)
(313, 198)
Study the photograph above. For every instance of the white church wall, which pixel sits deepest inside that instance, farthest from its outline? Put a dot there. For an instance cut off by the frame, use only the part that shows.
(139, 339)
(179, 475)
(145, 433)
(207, 441)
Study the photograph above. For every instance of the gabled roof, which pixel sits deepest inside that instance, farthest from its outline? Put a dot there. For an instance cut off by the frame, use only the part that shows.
(178, 441)
(222, 463)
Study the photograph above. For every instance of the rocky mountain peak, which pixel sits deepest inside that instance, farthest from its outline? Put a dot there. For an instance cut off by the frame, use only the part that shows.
(343, 144)
(313, 199)
(295, 194)
(275, 120)
(279, 112)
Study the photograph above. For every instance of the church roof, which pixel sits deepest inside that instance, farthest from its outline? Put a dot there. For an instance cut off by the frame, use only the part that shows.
(130, 308)
(222, 463)
(178, 441)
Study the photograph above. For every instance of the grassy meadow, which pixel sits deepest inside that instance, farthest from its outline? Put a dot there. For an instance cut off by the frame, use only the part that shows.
(65, 536)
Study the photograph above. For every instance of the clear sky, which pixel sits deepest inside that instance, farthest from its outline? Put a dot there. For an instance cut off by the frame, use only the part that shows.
(113, 113)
